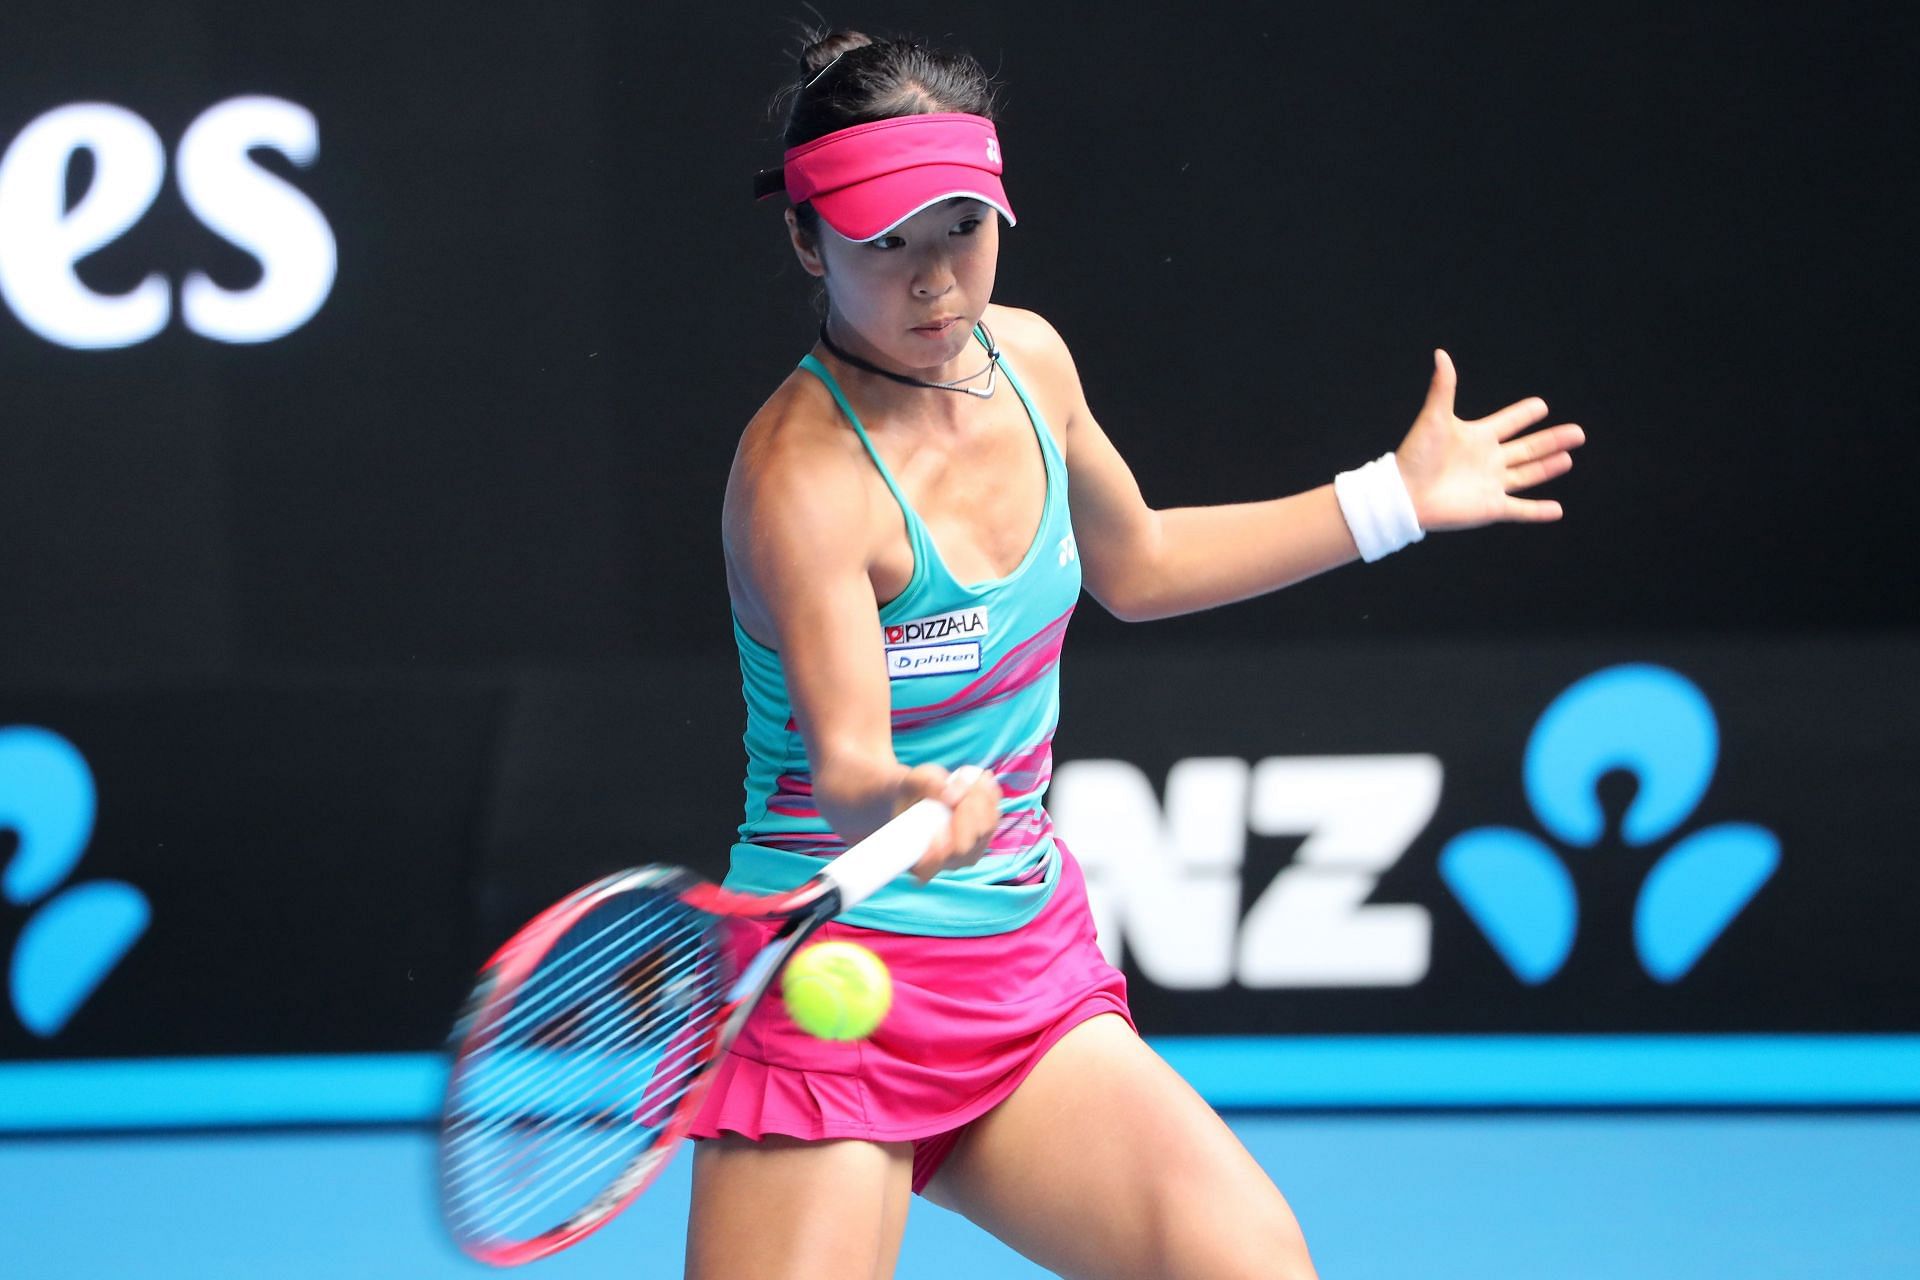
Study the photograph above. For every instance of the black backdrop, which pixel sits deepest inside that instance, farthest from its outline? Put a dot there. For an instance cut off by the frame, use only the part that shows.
(480, 487)
(503, 437)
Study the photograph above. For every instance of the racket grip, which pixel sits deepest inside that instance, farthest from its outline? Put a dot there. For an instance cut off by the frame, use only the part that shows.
(891, 851)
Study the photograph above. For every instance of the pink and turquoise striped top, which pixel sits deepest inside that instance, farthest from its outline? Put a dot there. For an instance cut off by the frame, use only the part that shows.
(974, 675)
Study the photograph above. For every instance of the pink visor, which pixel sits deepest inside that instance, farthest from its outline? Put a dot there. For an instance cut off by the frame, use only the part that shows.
(867, 180)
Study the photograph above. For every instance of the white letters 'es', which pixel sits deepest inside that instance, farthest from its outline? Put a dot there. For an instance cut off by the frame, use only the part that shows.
(41, 240)
(1165, 883)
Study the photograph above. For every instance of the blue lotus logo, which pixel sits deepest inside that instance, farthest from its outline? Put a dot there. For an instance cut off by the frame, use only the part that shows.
(1657, 725)
(75, 937)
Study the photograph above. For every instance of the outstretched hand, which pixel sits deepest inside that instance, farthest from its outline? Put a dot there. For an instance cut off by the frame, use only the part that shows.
(1463, 474)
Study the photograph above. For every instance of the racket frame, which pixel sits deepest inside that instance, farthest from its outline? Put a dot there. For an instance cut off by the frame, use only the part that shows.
(797, 915)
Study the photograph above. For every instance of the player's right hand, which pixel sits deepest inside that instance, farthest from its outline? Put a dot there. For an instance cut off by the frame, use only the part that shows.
(974, 798)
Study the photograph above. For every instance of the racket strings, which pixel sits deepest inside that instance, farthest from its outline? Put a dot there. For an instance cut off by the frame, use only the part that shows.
(525, 1045)
(573, 1162)
(595, 1156)
(613, 947)
(562, 1101)
(505, 1064)
(594, 1105)
(586, 1068)
(537, 1152)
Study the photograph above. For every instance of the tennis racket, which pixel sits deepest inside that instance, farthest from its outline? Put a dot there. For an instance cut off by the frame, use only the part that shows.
(592, 1035)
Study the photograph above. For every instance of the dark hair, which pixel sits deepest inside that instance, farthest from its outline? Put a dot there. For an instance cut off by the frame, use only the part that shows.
(849, 78)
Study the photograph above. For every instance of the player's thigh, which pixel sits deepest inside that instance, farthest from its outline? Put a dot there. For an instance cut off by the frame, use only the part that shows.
(1105, 1163)
(797, 1210)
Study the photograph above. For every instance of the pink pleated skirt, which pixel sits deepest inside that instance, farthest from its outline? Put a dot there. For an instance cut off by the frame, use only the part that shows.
(970, 1018)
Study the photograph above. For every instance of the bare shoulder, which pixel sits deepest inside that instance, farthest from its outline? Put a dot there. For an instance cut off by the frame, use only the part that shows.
(1040, 356)
(1029, 338)
(797, 476)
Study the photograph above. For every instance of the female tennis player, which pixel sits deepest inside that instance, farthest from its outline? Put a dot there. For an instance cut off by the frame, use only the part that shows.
(903, 564)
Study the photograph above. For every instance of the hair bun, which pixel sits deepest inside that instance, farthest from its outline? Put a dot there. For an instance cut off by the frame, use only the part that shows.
(821, 53)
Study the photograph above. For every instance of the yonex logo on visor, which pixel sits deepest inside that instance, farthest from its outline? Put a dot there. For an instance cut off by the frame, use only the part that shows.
(867, 180)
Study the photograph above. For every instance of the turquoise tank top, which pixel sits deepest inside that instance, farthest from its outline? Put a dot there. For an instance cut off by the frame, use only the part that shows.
(973, 670)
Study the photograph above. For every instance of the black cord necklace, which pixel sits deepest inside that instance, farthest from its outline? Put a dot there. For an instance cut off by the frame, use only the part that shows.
(992, 370)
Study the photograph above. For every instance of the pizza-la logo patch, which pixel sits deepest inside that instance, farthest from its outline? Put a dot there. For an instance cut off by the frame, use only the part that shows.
(942, 628)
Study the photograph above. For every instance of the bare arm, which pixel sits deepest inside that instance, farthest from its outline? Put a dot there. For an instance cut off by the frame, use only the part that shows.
(1143, 563)
(797, 537)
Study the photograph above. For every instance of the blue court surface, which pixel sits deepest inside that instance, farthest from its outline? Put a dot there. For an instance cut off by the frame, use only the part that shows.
(1651, 1196)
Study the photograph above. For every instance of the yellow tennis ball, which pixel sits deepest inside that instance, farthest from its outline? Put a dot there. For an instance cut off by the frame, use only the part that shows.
(836, 990)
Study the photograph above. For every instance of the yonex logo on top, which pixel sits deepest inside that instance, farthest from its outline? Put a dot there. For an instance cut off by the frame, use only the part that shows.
(1655, 724)
(993, 151)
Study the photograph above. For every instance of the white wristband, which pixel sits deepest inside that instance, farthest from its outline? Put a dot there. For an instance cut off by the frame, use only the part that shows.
(1378, 509)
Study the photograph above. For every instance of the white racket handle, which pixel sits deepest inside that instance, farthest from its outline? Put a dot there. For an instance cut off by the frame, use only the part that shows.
(891, 851)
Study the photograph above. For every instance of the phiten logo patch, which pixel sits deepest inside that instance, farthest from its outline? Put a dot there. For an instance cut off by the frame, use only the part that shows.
(932, 660)
(1655, 724)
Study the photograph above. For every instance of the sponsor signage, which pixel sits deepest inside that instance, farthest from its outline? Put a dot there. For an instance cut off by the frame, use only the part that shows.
(45, 231)
(1685, 837)
(1421, 841)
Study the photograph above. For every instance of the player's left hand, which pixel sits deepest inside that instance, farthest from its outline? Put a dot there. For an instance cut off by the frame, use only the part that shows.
(1463, 474)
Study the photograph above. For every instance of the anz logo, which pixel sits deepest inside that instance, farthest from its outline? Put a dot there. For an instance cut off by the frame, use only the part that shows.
(78, 934)
(1165, 881)
(1655, 724)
